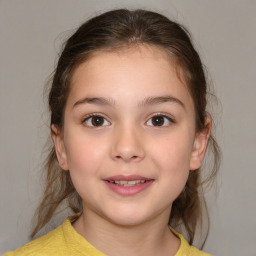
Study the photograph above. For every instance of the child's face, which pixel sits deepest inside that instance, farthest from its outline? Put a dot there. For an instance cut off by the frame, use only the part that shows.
(142, 130)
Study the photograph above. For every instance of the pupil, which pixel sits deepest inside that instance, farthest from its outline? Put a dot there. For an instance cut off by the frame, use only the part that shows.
(158, 120)
(97, 121)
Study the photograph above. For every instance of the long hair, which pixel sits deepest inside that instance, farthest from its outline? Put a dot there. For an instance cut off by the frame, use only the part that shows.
(110, 31)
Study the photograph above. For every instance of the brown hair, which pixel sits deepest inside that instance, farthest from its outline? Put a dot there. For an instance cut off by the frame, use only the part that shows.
(111, 30)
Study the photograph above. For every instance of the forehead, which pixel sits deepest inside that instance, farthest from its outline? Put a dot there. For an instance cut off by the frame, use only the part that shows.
(141, 69)
(137, 54)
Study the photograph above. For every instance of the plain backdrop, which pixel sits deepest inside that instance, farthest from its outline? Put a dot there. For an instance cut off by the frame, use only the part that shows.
(224, 33)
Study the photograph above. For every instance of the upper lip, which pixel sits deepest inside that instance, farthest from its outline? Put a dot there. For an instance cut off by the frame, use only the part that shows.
(127, 178)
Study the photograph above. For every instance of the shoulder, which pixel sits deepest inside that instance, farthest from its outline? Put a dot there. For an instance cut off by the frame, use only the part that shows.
(63, 241)
(188, 250)
(53, 243)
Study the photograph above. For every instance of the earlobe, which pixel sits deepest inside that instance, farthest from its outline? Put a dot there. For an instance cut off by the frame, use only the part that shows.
(200, 146)
(57, 138)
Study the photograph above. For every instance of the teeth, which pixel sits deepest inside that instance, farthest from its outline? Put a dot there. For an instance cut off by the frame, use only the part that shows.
(127, 183)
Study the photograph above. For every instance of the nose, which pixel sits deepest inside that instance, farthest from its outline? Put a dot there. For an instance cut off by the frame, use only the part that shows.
(128, 145)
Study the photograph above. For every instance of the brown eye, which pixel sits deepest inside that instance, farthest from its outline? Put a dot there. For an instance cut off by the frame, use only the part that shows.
(96, 121)
(159, 120)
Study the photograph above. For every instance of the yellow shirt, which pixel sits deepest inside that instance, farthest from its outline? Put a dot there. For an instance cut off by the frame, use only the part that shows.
(65, 241)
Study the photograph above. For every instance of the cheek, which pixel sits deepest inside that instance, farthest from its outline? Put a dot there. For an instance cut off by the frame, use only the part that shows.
(85, 158)
(172, 159)
(84, 155)
(173, 153)
(174, 176)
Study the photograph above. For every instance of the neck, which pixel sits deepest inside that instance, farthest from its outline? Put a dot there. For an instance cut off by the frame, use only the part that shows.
(148, 238)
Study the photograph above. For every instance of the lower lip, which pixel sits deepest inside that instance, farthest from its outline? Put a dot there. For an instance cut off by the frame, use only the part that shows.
(128, 191)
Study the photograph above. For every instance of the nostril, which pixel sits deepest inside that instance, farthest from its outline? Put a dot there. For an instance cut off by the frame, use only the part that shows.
(127, 157)
(127, 147)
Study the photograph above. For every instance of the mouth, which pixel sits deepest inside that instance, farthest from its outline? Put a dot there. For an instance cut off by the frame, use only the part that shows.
(128, 185)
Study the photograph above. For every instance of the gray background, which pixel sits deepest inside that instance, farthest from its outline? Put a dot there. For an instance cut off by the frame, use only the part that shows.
(31, 32)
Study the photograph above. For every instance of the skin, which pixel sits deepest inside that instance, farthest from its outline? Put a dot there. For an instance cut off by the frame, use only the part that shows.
(128, 143)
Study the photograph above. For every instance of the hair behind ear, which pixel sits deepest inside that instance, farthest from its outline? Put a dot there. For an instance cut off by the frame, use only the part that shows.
(200, 145)
(58, 141)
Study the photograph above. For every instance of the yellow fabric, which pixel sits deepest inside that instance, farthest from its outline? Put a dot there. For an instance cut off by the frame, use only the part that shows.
(65, 241)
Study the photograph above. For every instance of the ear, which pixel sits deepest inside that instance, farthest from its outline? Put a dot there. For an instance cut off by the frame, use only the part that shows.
(57, 138)
(200, 145)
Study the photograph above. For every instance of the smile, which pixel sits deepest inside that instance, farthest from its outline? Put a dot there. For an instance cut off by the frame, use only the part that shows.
(126, 183)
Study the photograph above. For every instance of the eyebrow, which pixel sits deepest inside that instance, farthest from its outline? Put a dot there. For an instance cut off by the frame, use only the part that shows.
(160, 99)
(95, 100)
(145, 102)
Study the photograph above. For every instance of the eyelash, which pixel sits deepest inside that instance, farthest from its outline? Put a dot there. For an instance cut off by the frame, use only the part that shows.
(164, 116)
(90, 116)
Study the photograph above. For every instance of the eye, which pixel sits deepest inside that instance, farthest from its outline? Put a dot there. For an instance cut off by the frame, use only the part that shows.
(96, 121)
(160, 120)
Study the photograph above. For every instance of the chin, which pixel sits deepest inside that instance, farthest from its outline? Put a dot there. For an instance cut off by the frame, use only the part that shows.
(128, 222)
(128, 218)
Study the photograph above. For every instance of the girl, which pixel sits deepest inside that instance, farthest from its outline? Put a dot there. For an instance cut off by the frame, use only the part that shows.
(130, 131)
